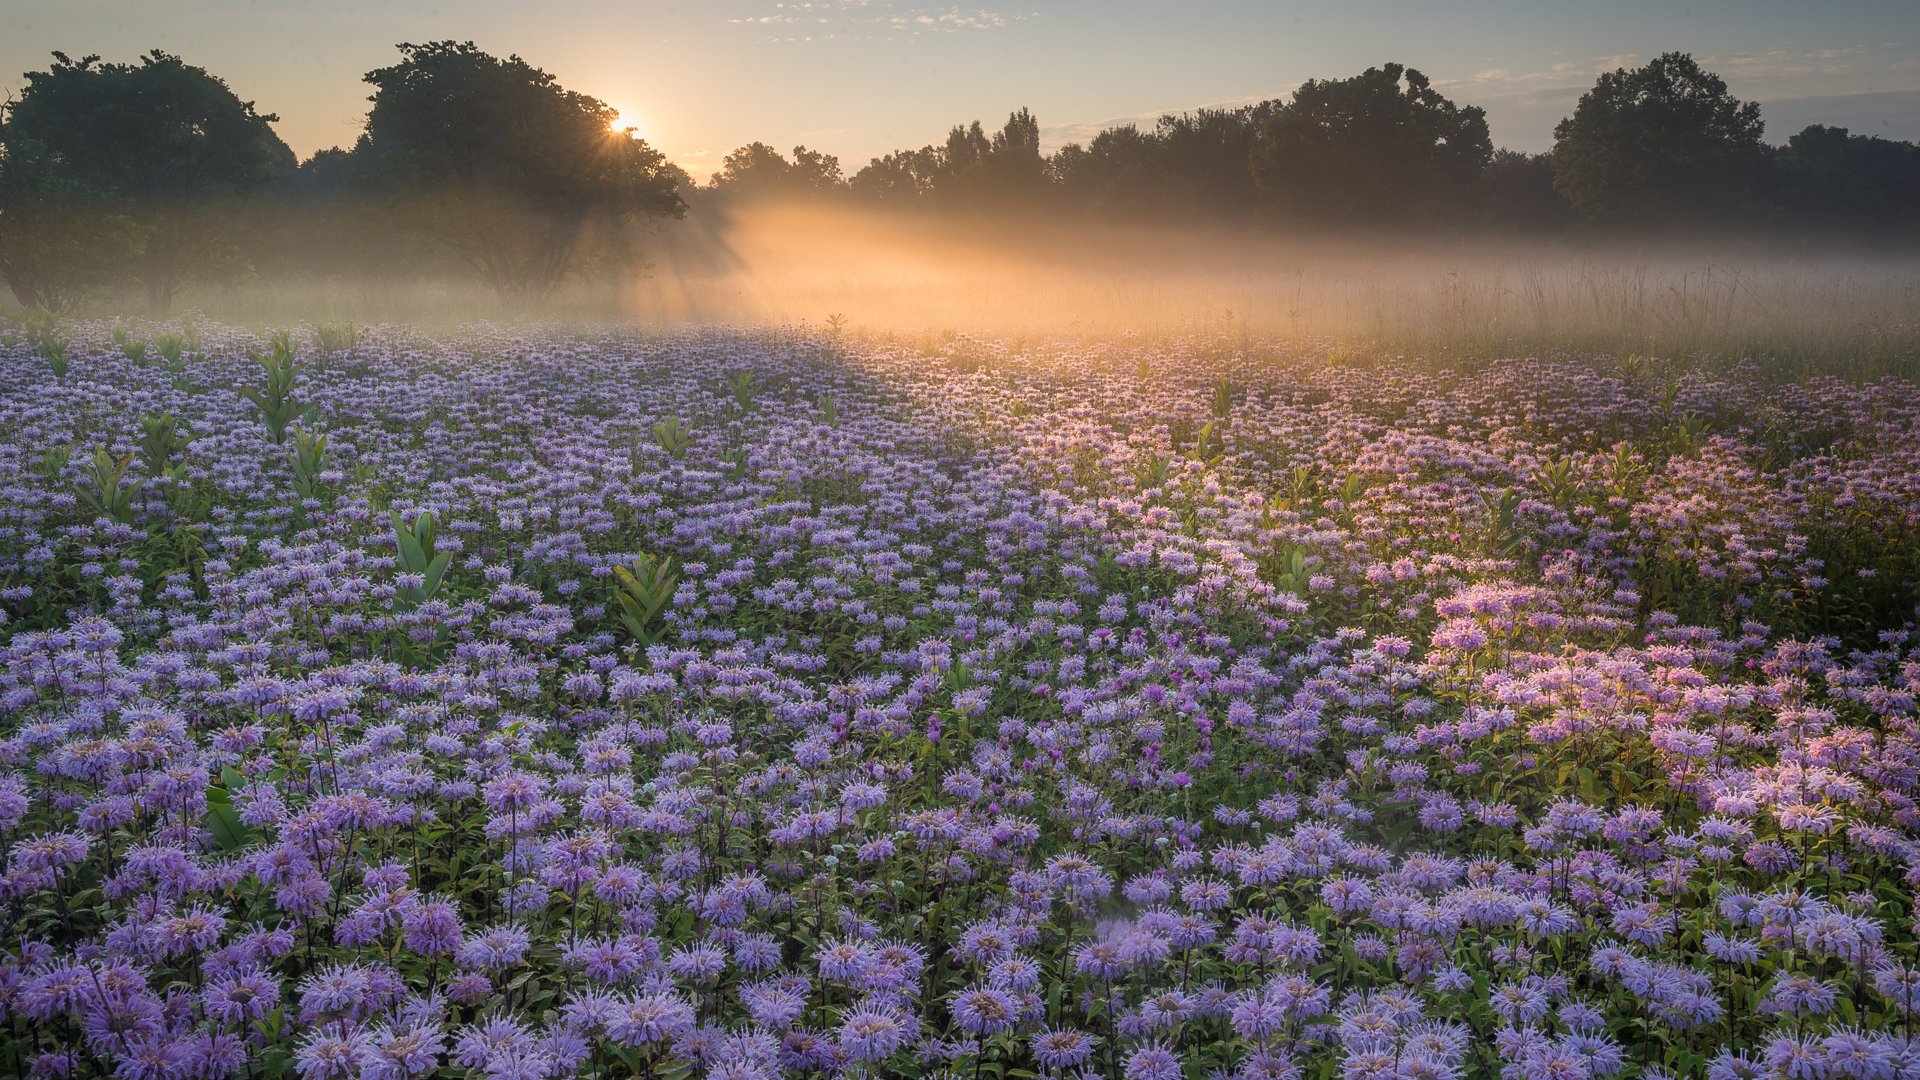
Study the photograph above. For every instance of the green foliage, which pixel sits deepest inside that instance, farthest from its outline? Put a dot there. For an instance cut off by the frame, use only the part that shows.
(742, 385)
(672, 437)
(1353, 488)
(1209, 447)
(107, 492)
(161, 144)
(274, 402)
(173, 349)
(759, 171)
(1302, 482)
(223, 821)
(517, 176)
(1559, 483)
(1289, 571)
(335, 339)
(1506, 535)
(418, 556)
(829, 412)
(49, 338)
(186, 500)
(642, 590)
(1684, 433)
(53, 464)
(160, 439)
(1828, 178)
(57, 241)
(1661, 145)
(1372, 148)
(1152, 471)
(309, 461)
(1224, 391)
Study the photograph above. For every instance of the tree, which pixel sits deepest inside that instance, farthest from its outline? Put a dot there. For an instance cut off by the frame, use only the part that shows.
(166, 142)
(1660, 145)
(1120, 174)
(759, 171)
(1207, 155)
(816, 172)
(998, 172)
(334, 218)
(523, 179)
(902, 178)
(1827, 178)
(1372, 149)
(56, 243)
(1189, 165)
(1520, 194)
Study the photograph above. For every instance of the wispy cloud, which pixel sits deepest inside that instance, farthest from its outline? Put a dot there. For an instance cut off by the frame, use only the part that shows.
(871, 20)
(1793, 63)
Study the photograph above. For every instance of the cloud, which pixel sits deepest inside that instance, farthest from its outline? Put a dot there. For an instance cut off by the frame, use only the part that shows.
(869, 20)
(1890, 114)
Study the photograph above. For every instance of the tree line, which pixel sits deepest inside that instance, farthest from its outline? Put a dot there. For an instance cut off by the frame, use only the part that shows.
(155, 174)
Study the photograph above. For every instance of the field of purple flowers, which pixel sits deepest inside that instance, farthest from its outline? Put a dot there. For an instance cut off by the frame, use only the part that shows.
(749, 705)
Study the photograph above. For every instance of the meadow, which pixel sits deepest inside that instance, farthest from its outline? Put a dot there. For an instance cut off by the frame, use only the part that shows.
(556, 701)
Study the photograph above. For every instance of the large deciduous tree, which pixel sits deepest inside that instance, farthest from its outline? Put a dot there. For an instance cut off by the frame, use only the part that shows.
(161, 142)
(1383, 147)
(1659, 146)
(524, 179)
(57, 243)
(1830, 180)
(758, 171)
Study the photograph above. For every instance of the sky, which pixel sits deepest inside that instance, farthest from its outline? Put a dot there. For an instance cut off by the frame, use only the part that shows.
(858, 78)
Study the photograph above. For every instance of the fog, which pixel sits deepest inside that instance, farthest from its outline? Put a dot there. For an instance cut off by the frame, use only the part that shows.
(866, 272)
(893, 273)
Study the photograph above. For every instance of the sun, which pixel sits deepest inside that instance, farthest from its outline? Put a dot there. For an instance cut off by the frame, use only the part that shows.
(622, 120)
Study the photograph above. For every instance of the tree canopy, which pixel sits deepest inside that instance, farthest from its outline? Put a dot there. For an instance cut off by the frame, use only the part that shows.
(162, 143)
(1828, 177)
(759, 171)
(1381, 147)
(1660, 145)
(524, 179)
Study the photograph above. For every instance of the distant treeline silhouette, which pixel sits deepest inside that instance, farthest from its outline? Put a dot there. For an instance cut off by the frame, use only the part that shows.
(154, 173)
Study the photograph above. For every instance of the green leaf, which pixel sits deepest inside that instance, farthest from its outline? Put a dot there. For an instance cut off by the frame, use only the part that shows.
(412, 559)
(229, 833)
(436, 570)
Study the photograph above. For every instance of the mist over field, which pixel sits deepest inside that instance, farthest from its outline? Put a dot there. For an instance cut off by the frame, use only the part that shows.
(805, 265)
(800, 263)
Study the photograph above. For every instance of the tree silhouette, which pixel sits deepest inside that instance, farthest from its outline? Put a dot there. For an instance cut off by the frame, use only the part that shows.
(1207, 155)
(520, 177)
(1372, 149)
(1014, 173)
(1188, 165)
(759, 171)
(57, 242)
(1120, 174)
(1660, 145)
(164, 142)
(902, 178)
(1520, 194)
(1828, 178)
